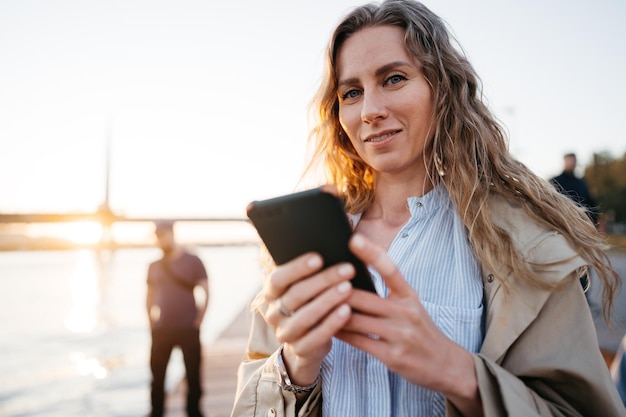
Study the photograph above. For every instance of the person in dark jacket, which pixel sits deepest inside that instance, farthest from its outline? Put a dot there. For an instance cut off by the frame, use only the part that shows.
(575, 188)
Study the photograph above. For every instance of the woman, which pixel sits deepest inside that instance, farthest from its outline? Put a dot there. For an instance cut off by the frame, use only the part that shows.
(476, 260)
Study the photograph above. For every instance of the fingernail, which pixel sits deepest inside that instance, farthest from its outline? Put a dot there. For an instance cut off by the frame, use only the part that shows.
(314, 262)
(345, 270)
(358, 241)
(343, 311)
(344, 287)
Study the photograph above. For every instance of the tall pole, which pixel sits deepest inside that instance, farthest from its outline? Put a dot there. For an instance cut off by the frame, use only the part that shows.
(106, 215)
(107, 177)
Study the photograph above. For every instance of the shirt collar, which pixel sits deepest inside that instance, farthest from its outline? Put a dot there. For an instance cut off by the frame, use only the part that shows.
(431, 202)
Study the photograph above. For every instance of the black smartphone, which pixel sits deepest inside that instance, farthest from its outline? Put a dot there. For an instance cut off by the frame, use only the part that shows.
(308, 221)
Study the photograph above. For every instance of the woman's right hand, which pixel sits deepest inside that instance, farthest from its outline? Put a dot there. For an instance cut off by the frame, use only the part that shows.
(307, 307)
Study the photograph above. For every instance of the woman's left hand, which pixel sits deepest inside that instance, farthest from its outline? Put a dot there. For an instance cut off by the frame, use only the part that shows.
(400, 333)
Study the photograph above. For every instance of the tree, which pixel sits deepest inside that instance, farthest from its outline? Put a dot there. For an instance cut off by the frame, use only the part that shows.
(606, 179)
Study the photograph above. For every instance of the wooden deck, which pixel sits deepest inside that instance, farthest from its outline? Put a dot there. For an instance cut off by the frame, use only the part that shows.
(219, 373)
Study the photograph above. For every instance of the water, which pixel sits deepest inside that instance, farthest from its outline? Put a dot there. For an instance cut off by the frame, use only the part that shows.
(74, 338)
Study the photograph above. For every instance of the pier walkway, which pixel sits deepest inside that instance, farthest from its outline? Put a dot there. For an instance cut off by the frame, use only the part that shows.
(219, 372)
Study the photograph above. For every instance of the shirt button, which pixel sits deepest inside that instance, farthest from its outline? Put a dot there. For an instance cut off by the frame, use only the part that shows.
(404, 234)
(419, 204)
(490, 278)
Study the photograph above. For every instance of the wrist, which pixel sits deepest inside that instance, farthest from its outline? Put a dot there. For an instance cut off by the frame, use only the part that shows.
(285, 380)
(462, 385)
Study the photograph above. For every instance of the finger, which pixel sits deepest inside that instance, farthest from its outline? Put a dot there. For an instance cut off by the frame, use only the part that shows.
(376, 257)
(330, 189)
(369, 326)
(387, 316)
(305, 290)
(313, 315)
(365, 342)
(371, 304)
(323, 333)
(283, 309)
(308, 289)
(289, 273)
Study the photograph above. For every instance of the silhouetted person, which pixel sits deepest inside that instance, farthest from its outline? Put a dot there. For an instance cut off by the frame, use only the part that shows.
(175, 316)
(574, 187)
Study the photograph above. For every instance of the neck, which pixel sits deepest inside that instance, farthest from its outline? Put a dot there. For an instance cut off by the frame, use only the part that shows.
(390, 199)
(172, 253)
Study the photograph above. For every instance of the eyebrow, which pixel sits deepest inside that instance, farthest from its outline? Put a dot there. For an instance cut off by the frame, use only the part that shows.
(380, 71)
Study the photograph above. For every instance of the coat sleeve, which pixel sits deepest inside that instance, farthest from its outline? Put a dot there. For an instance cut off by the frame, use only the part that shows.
(618, 370)
(258, 391)
(553, 369)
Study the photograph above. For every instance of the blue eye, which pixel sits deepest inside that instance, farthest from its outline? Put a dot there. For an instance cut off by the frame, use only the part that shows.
(350, 94)
(395, 79)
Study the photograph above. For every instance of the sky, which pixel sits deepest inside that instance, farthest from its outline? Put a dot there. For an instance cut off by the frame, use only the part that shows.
(204, 103)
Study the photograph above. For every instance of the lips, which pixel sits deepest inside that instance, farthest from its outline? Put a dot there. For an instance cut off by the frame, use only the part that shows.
(380, 137)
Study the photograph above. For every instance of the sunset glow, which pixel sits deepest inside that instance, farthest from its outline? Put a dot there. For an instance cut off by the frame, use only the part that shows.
(83, 232)
(80, 233)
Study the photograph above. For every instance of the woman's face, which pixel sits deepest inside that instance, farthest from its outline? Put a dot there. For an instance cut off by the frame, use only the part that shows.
(385, 102)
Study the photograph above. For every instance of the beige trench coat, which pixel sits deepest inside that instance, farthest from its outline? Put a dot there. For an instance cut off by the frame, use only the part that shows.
(540, 355)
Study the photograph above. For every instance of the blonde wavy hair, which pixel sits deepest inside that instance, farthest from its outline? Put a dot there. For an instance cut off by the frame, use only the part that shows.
(467, 151)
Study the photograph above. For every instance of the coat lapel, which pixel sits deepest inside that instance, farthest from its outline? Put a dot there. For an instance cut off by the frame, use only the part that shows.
(508, 315)
(510, 312)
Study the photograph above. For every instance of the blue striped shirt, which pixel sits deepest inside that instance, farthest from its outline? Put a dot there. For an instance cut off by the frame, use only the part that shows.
(433, 253)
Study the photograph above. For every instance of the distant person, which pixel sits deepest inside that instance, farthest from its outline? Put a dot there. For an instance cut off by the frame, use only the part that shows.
(574, 187)
(175, 316)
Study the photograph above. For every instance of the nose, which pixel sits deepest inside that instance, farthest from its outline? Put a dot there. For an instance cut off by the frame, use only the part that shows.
(374, 108)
